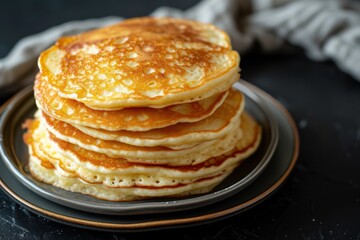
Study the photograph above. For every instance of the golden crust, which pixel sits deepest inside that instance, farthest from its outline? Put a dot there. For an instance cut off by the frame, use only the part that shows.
(181, 135)
(133, 119)
(250, 141)
(151, 62)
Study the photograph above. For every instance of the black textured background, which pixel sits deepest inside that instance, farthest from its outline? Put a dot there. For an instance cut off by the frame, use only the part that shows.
(320, 200)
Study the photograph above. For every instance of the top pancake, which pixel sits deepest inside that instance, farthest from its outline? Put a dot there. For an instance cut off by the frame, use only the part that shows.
(148, 62)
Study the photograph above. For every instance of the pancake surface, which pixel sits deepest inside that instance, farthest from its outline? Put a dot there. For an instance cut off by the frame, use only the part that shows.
(122, 180)
(133, 119)
(181, 135)
(69, 137)
(144, 62)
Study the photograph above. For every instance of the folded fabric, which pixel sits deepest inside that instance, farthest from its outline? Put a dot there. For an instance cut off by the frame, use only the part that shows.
(326, 29)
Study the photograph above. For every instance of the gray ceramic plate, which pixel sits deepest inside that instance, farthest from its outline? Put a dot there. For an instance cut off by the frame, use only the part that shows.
(278, 169)
(15, 157)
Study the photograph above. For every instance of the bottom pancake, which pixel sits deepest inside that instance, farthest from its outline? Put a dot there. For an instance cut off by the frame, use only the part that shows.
(49, 175)
(120, 180)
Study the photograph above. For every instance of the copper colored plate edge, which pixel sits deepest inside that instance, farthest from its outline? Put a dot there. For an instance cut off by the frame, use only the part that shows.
(170, 222)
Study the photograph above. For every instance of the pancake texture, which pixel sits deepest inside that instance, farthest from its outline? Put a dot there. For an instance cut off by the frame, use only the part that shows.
(150, 155)
(99, 171)
(132, 119)
(181, 135)
(144, 62)
(141, 109)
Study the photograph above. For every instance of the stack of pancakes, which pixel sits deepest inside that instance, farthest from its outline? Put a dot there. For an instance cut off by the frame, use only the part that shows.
(140, 109)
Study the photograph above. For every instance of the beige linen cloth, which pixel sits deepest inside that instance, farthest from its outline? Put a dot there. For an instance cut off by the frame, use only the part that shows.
(326, 29)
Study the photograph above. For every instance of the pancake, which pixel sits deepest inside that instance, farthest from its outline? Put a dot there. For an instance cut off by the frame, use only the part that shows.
(129, 181)
(142, 62)
(132, 119)
(75, 157)
(132, 175)
(67, 138)
(49, 175)
(181, 135)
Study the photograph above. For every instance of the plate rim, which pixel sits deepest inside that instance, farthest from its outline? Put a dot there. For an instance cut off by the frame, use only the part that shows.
(178, 221)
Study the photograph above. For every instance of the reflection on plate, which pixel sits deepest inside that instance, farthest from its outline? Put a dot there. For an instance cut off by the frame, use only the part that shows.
(45, 199)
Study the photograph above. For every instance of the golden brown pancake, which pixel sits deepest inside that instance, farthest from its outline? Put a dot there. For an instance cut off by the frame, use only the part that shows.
(118, 180)
(181, 135)
(133, 119)
(150, 155)
(142, 62)
(50, 176)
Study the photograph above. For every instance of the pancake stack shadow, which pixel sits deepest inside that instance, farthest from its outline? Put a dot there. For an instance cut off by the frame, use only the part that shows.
(140, 109)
